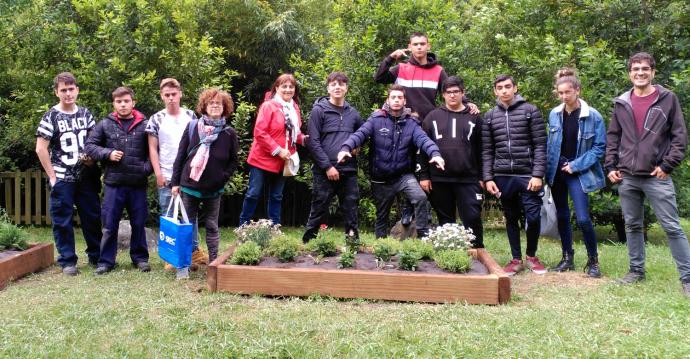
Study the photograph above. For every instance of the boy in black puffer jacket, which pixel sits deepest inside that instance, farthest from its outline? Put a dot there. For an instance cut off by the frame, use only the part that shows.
(514, 162)
(120, 142)
(394, 133)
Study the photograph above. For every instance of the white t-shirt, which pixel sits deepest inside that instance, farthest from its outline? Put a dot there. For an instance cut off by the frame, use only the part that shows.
(169, 131)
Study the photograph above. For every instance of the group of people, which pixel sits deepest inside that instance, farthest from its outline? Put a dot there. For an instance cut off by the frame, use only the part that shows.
(442, 157)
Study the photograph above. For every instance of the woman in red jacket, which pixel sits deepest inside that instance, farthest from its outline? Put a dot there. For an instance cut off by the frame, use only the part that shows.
(276, 135)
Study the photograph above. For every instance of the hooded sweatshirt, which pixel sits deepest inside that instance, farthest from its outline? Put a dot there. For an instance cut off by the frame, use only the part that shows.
(422, 82)
(459, 137)
(329, 127)
(663, 141)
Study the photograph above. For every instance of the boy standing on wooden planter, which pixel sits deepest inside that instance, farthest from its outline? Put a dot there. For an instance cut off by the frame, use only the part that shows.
(73, 177)
(331, 122)
(120, 142)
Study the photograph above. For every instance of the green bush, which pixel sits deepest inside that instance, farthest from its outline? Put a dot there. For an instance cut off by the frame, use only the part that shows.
(247, 253)
(408, 260)
(324, 245)
(424, 249)
(285, 248)
(456, 261)
(385, 248)
(12, 237)
(347, 259)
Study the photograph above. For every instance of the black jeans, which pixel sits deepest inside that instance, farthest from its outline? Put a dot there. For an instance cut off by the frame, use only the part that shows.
(516, 199)
(467, 198)
(384, 194)
(322, 194)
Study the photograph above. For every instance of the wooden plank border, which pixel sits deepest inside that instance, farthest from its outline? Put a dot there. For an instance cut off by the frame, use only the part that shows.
(493, 288)
(34, 259)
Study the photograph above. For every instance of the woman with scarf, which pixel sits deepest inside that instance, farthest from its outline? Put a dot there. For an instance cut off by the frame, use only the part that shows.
(576, 144)
(276, 135)
(206, 159)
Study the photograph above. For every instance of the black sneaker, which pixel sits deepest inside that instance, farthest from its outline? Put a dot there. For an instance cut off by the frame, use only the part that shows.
(70, 271)
(592, 267)
(686, 289)
(143, 266)
(564, 265)
(93, 262)
(632, 277)
(100, 270)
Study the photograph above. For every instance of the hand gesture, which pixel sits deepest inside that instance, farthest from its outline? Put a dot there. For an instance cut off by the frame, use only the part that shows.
(615, 176)
(659, 173)
(333, 174)
(399, 53)
(343, 155)
(116, 155)
(534, 184)
(439, 162)
(426, 185)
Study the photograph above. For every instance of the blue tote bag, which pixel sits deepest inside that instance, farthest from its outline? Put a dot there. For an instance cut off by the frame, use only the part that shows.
(175, 237)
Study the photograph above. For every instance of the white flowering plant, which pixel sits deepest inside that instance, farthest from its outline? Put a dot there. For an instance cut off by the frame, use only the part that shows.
(261, 232)
(450, 236)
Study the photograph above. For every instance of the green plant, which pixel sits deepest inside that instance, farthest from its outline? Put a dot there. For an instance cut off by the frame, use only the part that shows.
(12, 237)
(449, 236)
(385, 248)
(424, 249)
(352, 241)
(261, 232)
(457, 261)
(347, 259)
(247, 253)
(408, 260)
(324, 245)
(285, 248)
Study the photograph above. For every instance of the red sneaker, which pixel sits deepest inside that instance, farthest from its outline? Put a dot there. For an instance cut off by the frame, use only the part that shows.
(535, 265)
(513, 267)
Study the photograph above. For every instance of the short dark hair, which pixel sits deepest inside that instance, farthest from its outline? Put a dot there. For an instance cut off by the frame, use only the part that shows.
(418, 34)
(639, 57)
(454, 81)
(395, 87)
(209, 95)
(66, 78)
(122, 91)
(337, 76)
(503, 77)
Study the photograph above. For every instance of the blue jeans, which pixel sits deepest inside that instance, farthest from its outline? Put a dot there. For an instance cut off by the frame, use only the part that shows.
(164, 197)
(662, 196)
(516, 199)
(115, 200)
(257, 179)
(563, 185)
(63, 197)
(384, 194)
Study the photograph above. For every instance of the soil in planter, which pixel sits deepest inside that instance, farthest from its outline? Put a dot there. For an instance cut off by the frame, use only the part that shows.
(367, 261)
(8, 254)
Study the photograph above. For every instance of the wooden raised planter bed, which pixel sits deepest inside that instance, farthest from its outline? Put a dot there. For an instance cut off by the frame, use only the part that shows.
(34, 259)
(493, 288)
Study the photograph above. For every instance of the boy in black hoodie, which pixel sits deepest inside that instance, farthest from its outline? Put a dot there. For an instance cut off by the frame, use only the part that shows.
(457, 133)
(331, 122)
(119, 141)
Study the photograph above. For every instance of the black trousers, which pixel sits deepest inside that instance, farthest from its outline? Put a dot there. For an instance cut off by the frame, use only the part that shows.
(466, 198)
(323, 191)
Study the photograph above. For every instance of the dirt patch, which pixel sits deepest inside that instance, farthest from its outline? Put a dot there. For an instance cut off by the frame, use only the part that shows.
(526, 283)
(367, 261)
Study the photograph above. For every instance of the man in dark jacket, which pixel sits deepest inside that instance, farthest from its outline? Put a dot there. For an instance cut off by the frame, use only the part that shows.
(646, 140)
(119, 141)
(457, 133)
(394, 134)
(331, 122)
(514, 162)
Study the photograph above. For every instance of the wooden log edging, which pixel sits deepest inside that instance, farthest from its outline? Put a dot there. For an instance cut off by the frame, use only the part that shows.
(493, 288)
(37, 257)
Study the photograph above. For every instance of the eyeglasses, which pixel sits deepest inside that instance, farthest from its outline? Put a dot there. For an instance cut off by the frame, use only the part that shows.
(454, 92)
(215, 104)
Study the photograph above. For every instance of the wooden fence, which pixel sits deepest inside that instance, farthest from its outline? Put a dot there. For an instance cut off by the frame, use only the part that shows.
(25, 197)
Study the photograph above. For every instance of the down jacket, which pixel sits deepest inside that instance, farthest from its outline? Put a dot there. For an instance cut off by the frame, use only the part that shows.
(109, 135)
(513, 141)
(394, 141)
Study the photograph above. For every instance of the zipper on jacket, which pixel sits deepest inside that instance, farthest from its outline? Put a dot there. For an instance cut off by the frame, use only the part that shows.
(510, 152)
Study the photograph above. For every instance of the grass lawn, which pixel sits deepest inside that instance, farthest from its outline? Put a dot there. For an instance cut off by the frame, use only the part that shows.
(132, 314)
